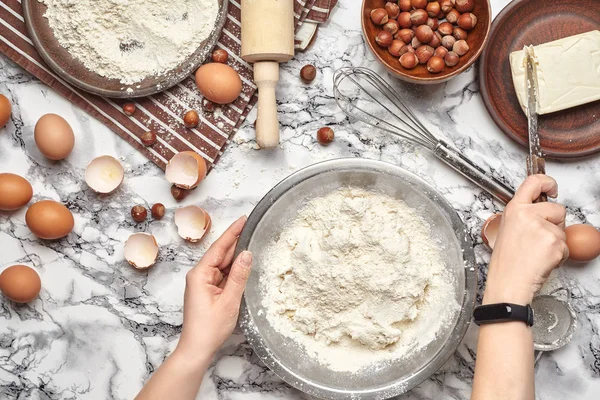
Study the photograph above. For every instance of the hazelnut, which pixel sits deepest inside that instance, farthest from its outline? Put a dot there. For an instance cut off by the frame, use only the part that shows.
(409, 60)
(325, 135)
(418, 4)
(395, 47)
(460, 47)
(391, 26)
(220, 56)
(433, 9)
(451, 59)
(424, 34)
(406, 35)
(436, 40)
(463, 6)
(467, 21)
(440, 51)
(404, 20)
(379, 16)
(424, 53)
(446, 5)
(448, 42)
(158, 211)
(392, 9)
(191, 119)
(384, 38)
(452, 16)
(128, 109)
(415, 42)
(405, 5)
(148, 138)
(308, 73)
(179, 193)
(445, 28)
(459, 33)
(139, 213)
(406, 49)
(419, 17)
(435, 64)
(433, 23)
(208, 105)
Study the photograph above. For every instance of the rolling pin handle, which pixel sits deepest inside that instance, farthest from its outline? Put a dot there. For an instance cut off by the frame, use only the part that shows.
(266, 76)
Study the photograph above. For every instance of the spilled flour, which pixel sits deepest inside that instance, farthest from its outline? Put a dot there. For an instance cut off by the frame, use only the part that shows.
(130, 40)
(356, 278)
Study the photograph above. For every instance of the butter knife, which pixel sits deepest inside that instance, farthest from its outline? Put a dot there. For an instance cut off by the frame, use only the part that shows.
(535, 162)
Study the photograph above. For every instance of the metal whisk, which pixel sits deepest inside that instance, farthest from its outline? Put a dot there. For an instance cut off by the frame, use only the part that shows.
(364, 95)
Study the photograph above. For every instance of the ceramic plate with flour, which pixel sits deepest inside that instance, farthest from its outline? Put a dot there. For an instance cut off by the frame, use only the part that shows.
(363, 283)
(124, 49)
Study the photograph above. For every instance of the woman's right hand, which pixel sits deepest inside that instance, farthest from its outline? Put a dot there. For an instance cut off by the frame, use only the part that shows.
(531, 243)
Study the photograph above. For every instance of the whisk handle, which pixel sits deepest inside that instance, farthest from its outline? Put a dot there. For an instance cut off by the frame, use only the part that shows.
(474, 173)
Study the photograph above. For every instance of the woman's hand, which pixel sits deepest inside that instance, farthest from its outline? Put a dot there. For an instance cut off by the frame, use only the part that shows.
(531, 243)
(213, 294)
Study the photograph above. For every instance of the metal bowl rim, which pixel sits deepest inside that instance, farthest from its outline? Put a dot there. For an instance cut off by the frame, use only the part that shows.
(396, 388)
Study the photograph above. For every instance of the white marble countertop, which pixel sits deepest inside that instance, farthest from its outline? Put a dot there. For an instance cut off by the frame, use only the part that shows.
(99, 327)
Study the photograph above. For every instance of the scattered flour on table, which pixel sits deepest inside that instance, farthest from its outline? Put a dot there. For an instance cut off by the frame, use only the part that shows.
(130, 40)
(357, 278)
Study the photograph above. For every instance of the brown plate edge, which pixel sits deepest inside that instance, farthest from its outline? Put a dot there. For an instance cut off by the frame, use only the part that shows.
(498, 120)
(148, 91)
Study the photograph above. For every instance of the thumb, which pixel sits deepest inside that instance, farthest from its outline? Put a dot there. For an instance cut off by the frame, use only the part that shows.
(236, 281)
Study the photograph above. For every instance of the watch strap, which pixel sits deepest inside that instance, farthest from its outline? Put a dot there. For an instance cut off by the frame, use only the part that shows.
(503, 312)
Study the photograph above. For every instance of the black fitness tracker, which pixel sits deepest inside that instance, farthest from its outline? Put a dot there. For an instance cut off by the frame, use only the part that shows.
(503, 312)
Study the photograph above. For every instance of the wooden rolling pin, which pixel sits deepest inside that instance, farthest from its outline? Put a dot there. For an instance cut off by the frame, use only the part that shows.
(267, 40)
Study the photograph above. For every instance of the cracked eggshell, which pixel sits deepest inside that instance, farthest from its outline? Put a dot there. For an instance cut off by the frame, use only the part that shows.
(489, 231)
(104, 174)
(186, 170)
(192, 223)
(141, 250)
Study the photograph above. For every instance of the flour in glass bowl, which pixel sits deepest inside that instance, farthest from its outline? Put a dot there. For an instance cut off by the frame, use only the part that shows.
(357, 278)
(131, 40)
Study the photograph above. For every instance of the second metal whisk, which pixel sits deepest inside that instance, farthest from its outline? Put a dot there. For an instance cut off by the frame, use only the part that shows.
(364, 95)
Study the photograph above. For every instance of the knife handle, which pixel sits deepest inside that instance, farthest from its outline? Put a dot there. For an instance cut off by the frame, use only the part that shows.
(538, 166)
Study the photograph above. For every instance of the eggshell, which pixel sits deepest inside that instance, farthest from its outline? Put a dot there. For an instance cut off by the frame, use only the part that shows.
(186, 170)
(15, 192)
(489, 231)
(104, 174)
(54, 137)
(48, 219)
(583, 242)
(20, 283)
(192, 223)
(141, 250)
(5, 110)
(218, 82)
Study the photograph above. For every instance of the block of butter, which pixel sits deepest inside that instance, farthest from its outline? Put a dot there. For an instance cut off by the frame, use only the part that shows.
(568, 72)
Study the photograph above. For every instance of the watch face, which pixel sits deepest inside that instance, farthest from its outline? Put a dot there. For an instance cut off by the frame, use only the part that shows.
(493, 312)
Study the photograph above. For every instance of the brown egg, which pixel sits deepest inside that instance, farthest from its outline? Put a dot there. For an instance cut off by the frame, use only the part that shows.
(54, 137)
(15, 192)
(218, 82)
(5, 110)
(583, 242)
(48, 219)
(20, 283)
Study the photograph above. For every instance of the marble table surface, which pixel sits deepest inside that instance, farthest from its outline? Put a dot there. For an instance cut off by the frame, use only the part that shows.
(99, 328)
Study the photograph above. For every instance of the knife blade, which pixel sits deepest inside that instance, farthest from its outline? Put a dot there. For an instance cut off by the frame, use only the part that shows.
(535, 162)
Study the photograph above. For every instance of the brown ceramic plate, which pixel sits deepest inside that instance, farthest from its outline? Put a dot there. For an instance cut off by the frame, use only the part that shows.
(476, 41)
(74, 72)
(565, 134)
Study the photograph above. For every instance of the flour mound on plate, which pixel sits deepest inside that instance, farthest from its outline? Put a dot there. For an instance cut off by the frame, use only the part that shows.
(131, 40)
(357, 278)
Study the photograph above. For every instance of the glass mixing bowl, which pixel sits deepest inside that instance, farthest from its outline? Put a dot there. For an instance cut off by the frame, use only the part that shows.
(288, 359)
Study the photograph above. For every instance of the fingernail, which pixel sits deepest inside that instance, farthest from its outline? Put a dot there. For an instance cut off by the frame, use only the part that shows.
(246, 259)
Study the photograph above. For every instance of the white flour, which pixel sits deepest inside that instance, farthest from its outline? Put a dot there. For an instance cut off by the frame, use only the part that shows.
(357, 278)
(130, 40)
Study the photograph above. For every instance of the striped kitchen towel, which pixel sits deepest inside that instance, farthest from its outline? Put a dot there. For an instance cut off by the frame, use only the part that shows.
(161, 113)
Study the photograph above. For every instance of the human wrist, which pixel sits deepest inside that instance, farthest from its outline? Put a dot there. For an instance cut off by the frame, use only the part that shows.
(515, 294)
(194, 360)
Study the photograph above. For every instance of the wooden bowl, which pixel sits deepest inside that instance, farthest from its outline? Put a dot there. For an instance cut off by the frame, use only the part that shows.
(476, 40)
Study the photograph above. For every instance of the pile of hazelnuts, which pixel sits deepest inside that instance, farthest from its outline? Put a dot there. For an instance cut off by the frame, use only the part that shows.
(425, 32)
